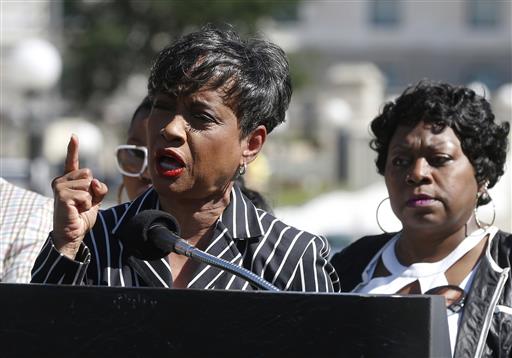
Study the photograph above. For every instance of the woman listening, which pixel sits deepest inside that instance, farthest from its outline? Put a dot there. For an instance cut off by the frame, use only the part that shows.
(439, 149)
(215, 98)
(132, 157)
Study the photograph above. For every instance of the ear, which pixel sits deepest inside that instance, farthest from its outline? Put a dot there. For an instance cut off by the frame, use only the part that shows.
(252, 144)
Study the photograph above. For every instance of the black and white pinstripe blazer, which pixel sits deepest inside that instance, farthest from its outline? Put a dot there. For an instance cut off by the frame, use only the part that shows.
(291, 259)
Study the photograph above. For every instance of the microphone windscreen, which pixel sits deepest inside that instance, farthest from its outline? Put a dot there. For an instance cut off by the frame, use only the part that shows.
(134, 234)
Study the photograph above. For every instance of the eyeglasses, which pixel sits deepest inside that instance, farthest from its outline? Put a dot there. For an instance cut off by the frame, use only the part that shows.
(132, 160)
(454, 296)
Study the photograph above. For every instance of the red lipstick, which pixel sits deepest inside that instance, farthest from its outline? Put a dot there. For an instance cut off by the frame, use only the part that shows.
(169, 163)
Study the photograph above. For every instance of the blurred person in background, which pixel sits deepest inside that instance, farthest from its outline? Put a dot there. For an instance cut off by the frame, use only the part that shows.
(215, 99)
(132, 157)
(439, 149)
(25, 221)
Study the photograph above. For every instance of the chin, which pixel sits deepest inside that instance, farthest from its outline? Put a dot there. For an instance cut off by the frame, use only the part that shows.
(420, 220)
(423, 225)
(167, 189)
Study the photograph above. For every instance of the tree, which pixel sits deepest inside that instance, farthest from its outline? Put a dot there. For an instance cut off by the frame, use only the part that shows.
(106, 41)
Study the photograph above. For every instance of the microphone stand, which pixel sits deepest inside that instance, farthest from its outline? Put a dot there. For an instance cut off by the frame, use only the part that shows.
(161, 239)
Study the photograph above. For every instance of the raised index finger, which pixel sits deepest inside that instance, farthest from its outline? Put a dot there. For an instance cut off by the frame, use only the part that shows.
(72, 163)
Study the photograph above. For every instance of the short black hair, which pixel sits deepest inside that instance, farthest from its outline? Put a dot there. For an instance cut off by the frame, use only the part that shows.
(254, 73)
(469, 115)
(143, 108)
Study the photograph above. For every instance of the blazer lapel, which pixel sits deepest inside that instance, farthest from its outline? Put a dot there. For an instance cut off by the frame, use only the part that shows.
(224, 247)
(154, 273)
(237, 226)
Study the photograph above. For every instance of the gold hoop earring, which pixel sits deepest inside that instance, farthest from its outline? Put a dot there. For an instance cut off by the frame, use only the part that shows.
(377, 215)
(480, 223)
(242, 169)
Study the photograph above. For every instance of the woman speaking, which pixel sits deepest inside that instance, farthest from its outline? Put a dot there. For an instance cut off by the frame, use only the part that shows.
(215, 99)
(440, 149)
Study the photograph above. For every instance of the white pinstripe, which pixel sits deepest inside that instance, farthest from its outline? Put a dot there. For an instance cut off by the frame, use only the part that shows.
(314, 266)
(93, 240)
(324, 256)
(48, 242)
(156, 274)
(247, 230)
(76, 275)
(234, 211)
(240, 264)
(107, 244)
(51, 269)
(220, 273)
(292, 277)
(262, 242)
(273, 250)
(121, 278)
(208, 266)
(216, 239)
(286, 255)
(114, 230)
(302, 276)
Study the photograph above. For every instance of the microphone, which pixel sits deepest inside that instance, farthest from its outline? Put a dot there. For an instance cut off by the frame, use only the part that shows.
(154, 234)
(135, 234)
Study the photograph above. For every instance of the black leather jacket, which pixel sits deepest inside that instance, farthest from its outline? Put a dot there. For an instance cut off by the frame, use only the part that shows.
(486, 326)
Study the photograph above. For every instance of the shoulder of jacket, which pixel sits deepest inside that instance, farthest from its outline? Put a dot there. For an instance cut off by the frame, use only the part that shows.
(369, 242)
(267, 219)
(362, 249)
(502, 242)
(284, 232)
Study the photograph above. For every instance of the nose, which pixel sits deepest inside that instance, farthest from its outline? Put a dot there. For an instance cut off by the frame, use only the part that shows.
(419, 172)
(175, 130)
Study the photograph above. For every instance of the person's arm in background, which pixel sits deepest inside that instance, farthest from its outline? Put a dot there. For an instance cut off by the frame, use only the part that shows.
(26, 222)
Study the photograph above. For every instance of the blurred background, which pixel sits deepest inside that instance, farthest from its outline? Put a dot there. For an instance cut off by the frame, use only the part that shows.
(81, 67)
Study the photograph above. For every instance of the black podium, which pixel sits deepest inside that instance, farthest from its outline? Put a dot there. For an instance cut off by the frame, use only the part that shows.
(65, 321)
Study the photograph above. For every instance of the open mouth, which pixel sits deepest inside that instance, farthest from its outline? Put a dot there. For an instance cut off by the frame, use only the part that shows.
(169, 164)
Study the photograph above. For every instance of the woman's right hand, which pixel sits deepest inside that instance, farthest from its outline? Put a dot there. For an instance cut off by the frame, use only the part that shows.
(77, 199)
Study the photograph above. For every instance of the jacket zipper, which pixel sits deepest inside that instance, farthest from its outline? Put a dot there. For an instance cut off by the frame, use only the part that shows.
(490, 312)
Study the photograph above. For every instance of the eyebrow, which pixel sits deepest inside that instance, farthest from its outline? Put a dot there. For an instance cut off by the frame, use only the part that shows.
(163, 103)
(441, 145)
(196, 103)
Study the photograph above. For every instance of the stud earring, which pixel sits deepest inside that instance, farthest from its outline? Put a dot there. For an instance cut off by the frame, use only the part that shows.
(242, 169)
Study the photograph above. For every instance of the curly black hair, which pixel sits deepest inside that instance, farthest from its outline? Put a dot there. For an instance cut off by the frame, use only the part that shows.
(254, 74)
(469, 115)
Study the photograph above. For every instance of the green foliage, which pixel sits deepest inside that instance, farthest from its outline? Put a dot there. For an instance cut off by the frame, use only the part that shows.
(106, 41)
